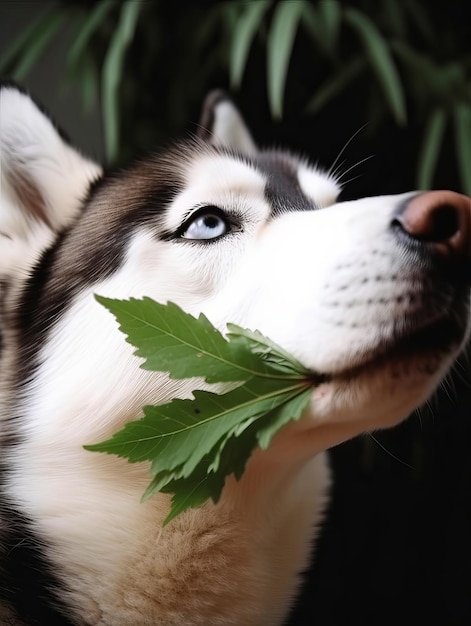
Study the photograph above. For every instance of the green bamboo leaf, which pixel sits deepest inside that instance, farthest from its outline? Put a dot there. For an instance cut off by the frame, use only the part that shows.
(462, 119)
(335, 85)
(330, 13)
(89, 83)
(279, 48)
(244, 33)
(84, 75)
(420, 66)
(36, 46)
(381, 62)
(113, 74)
(430, 150)
(25, 38)
(323, 21)
(394, 17)
(230, 12)
(420, 18)
(92, 21)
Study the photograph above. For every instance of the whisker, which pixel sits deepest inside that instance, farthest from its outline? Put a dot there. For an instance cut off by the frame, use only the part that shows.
(335, 172)
(349, 180)
(419, 411)
(339, 179)
(396, 458)
(461, 369)
(331, 169)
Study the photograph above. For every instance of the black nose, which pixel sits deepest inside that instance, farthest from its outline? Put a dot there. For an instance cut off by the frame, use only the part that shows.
(441, 222)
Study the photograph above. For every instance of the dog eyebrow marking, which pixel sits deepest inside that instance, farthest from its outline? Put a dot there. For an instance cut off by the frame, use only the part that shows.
(282, 190)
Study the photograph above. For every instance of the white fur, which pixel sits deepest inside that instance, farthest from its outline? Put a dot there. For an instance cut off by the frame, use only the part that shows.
(307, 280)
(229, 129)
(31, 149)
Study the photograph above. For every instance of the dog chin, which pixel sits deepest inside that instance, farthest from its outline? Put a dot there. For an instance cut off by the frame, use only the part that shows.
(389, 383)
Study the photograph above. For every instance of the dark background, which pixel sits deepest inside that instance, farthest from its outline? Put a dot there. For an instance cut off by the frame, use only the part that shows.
(396, 545)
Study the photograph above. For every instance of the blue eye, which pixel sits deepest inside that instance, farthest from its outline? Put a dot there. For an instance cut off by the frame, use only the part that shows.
(207, 224)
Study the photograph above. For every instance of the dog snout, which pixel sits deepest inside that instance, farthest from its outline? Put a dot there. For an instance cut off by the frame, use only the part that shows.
(440, 221)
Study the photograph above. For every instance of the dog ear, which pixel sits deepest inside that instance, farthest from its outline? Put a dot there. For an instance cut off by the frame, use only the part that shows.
(221, 124)
(43, 179)
(42, 175)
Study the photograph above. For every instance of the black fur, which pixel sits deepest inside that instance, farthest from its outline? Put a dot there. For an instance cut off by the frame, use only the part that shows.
(28, 584)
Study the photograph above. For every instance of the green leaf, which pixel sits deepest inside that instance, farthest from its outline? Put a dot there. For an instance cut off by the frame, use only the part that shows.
(113, 74)
(267, 350)
(89, 83)
(91, 23)
(430, 150)
(84, 75)
(394, 17)
(208, 479)
(194, 444)
(279, 48)
(422, 69)
(24, 39)
(191, 492)
(420, 16)
(244, 33)
(381, 61)
(330, 14)
(177, 435)
(291, 410)
(335, 85)
(323, 22)
(42, 37)
(462, 118)
(171, 340)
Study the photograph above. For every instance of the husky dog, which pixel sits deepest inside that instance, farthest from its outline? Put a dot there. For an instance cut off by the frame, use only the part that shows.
(371, 294)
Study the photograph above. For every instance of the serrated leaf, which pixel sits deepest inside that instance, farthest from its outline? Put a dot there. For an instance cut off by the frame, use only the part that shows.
(171, 340)
(177, 435)
(267, 350)
(279, 48)
(191, 493)
(381, 62)
(291, 410)
(194, 444)
(243, 35)
(430, 150)
(206, 482)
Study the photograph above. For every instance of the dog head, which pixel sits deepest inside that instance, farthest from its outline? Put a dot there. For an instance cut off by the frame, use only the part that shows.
(371, 294)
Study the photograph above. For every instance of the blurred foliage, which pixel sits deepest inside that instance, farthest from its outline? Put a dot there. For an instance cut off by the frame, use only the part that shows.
(141, 59)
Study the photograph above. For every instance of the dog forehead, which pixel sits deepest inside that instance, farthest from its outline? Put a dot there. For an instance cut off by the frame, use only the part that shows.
(224, 180)
(222, 172)
(284, 181)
